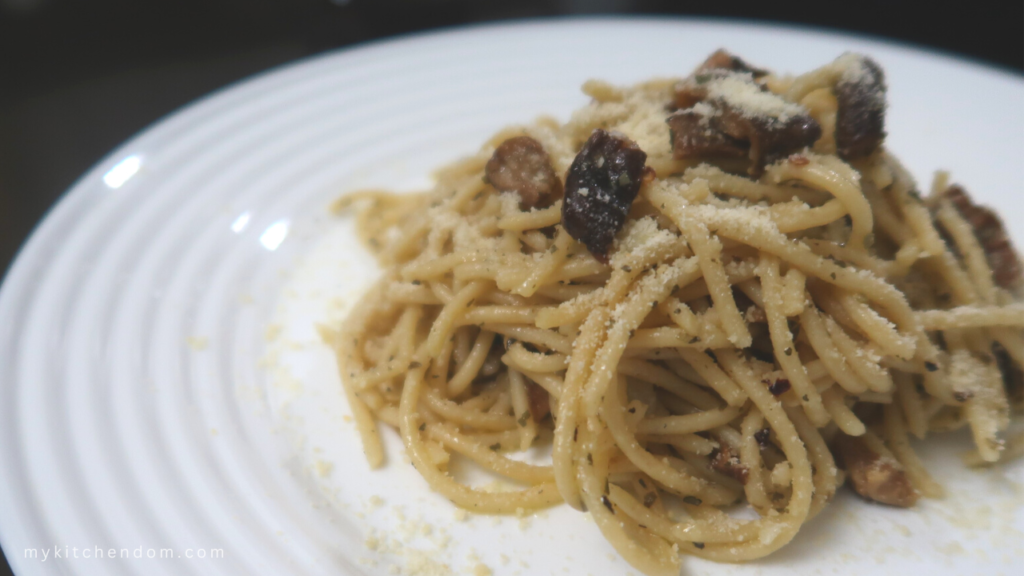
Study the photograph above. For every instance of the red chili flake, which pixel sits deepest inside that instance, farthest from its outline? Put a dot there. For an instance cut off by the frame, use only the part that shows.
(779, 387)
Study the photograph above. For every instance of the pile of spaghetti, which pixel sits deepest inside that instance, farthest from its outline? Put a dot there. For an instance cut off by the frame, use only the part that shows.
(700, 292)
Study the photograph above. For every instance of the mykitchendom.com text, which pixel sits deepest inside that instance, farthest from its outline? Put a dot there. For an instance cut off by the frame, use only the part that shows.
(60, 553)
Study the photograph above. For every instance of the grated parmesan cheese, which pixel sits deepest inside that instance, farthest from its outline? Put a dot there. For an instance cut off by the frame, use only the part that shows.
(741, 93)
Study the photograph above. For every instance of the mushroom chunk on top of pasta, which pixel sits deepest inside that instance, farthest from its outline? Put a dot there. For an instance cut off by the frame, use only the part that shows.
(726, 111)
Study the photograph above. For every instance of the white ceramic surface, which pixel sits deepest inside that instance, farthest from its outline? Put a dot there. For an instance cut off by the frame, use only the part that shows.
(162, 386)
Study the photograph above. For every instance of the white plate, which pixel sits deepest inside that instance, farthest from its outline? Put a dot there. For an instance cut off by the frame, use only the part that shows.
(146, 407)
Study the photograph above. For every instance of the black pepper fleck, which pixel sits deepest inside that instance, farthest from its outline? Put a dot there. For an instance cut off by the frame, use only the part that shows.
(762, 436)
(649, 499)
(524, 419)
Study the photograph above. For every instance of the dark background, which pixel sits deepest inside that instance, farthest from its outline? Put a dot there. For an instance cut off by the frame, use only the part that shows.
(79, 77)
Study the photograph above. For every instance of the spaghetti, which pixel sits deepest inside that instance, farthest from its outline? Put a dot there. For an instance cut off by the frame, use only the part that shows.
(733, 287)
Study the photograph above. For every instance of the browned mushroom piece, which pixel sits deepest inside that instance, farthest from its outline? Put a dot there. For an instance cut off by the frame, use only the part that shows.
(693, 135)
(771, 138)
(687, 93)
(725, 462)
(521, 165)
(873, 475)
(600, 187)
(860, 112)
(693, 89)
(722, 60)
(988, 228)
(716, 128)
(723, 111)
